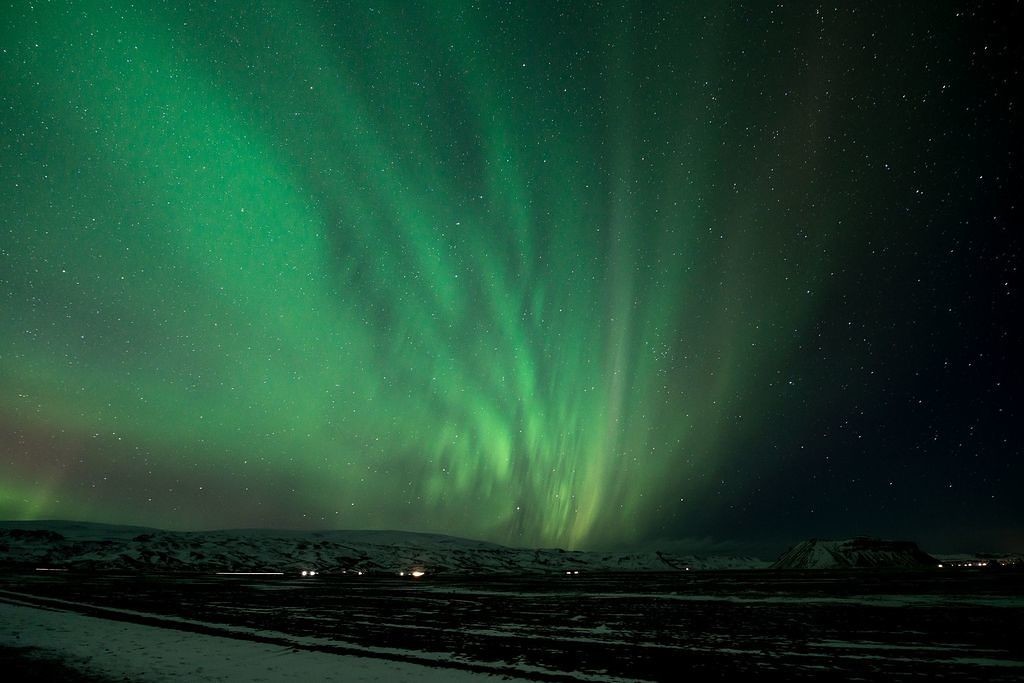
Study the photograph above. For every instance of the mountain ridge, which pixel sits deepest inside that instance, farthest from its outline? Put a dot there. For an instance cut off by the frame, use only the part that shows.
(854, 553)
(82, 545)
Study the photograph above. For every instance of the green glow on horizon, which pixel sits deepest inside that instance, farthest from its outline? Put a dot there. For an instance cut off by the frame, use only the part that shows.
(402, 274)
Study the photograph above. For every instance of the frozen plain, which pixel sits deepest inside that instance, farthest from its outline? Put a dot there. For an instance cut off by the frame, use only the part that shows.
(760, 625)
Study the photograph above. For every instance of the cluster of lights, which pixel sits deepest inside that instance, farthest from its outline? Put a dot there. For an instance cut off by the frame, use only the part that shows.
(574, 572)
(969, 564)
(415, 573)
(308, 572)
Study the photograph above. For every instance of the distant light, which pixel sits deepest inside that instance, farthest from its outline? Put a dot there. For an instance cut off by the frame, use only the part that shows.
(360, 573)
(305, 573)
(401, 573)
(568, 573)
(417, 573)
(940, 566)
(576, 572)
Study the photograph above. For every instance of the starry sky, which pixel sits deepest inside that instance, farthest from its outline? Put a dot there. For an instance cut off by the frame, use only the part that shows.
(589, 275)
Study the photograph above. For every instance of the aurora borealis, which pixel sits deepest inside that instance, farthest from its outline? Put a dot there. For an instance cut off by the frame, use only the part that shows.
(556, 273)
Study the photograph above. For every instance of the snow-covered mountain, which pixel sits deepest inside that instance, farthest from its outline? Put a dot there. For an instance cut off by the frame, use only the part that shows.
(77, 545)
(854, 553)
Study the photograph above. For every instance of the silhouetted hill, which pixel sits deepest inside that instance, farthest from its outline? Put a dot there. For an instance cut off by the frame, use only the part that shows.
(858, 552)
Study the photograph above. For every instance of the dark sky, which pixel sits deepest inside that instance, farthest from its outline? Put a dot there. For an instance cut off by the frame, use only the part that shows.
(544, 273)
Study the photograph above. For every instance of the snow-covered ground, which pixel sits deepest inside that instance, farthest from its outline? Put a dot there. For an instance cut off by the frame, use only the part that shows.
(137, 652)
(599, 628)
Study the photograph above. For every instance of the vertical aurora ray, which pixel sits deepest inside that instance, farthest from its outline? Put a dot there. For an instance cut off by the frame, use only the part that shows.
(508, 273)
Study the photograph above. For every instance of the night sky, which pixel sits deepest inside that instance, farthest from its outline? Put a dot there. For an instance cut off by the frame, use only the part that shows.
(581, 274)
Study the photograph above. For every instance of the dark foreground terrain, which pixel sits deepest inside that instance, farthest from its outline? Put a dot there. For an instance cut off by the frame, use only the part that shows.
(874, 625)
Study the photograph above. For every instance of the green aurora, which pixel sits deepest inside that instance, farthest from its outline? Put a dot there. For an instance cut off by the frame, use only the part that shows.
(532, 274)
